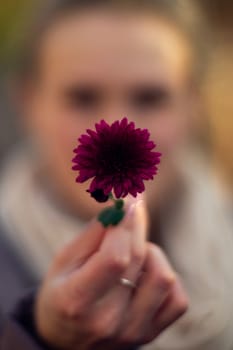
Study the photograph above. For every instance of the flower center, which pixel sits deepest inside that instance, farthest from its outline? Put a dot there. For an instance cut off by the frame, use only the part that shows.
(115, 159)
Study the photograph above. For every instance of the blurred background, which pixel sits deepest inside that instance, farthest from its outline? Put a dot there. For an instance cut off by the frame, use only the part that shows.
(217, 88)
(39, 200)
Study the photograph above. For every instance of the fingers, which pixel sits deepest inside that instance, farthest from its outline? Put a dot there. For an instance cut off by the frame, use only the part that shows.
(103, 270)
(172, 309)
(138, 240)
(88, 242)
(82, 247)
(74, 295)
(135, 223)
(155, 286)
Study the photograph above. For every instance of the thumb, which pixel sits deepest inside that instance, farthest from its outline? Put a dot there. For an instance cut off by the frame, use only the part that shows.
(136, 218)
(130, 235)
(136, 221)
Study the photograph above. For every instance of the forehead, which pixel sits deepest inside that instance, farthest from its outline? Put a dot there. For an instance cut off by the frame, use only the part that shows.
(103, 46)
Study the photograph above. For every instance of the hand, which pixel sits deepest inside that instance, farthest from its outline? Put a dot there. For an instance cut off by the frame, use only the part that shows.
(82, 305)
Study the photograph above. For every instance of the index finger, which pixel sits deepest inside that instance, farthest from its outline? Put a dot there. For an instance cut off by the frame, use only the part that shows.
(82, 247)
(103, 269)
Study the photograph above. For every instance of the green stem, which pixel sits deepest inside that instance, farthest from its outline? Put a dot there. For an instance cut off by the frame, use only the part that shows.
(112, 215)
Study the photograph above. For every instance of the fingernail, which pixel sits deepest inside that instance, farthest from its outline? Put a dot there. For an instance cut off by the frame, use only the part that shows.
(131, 206)
(131, 202)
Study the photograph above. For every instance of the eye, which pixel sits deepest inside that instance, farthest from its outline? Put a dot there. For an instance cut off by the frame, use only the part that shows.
(83, 97)
(150, 97)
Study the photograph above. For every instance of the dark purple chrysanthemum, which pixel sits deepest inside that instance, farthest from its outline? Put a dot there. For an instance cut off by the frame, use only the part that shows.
(118, 157)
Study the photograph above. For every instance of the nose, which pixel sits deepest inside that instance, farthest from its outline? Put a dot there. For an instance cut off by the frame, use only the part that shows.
(115, 111)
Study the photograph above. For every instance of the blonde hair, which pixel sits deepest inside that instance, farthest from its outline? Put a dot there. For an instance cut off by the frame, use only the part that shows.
(183, 14)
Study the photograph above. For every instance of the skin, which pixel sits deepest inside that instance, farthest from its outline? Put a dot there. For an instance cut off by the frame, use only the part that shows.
(115, 60)
(82, 79)
(81, 304)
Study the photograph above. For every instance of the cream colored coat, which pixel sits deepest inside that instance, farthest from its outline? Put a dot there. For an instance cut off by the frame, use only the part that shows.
(198, 243)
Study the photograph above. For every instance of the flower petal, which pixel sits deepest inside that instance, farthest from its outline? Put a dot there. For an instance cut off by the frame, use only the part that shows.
(117, 156)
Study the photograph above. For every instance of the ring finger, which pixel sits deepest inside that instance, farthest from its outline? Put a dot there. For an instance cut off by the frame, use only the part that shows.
(154, 288)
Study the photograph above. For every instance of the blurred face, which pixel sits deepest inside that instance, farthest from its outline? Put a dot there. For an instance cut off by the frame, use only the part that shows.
(100, 65)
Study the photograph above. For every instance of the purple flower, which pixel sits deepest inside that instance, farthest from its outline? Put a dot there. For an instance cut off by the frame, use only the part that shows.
(119, 157)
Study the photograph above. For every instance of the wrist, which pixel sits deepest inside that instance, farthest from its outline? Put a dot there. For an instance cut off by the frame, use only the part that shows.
(25, 315)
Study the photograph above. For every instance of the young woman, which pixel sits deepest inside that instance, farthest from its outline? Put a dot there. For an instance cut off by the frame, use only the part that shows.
(92, 60)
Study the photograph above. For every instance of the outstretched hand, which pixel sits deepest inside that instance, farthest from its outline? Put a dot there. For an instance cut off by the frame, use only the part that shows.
(83, 304)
